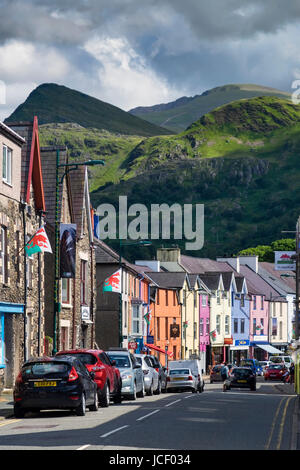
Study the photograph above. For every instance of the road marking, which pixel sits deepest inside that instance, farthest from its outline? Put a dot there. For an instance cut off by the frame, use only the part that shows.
(172, 403)
(273, 424)
(190, 396)
(10, 421)
(84, 447)
(282, 423)
(149, 414)
(115, 430)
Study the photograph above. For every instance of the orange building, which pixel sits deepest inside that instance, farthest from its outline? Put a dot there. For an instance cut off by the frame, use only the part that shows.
(165, 316)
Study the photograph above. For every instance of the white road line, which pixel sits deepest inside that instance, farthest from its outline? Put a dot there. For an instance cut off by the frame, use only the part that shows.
(84, 447)
(190, 396)
(115, 430)
(149, 414)
(172, 403)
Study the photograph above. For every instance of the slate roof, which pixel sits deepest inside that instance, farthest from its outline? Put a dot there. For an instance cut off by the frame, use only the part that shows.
(258, 286)
(171, 266)
(168, 279)
(285, 283)
(203, 265)
(239, 281)
(211, 280)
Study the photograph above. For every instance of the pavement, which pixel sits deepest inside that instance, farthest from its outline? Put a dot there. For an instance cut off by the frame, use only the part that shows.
(6, 404)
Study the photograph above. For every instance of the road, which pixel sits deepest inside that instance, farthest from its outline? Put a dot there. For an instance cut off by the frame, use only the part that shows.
(213, 420)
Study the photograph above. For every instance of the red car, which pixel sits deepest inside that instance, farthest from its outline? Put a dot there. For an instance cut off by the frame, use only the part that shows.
(107, 376)
(275, 372)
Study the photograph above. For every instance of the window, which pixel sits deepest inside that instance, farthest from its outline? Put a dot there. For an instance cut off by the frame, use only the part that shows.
(195, 330)
(218, 324)
(157, 297)
(280, 330)
(174, 297)
(136, 320)
(166, 326)
(204, 300)
(64, 338)
(261, 326)
(254, 326)
(281, 309)
(242, 325)
(65, 291)
(195, 299)
(83, 278)
(227, 325)
(254, 302)
(184, 297)
(158, 328)
(6, 164)
(4, 254)
(167, 299)
(201, 327)
(262, 302)
(236, 326)
(274, 326)
(207, 325)
(218, 297)
(242, 300)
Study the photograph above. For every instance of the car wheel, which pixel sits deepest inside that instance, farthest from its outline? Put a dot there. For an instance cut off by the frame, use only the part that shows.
(150, 391)
(104, 398)
(19, 412)
(95, 406)
(133, 395)
(81, 409)
(118, 396)
(141, 394)
(158, 390)
(194, 390)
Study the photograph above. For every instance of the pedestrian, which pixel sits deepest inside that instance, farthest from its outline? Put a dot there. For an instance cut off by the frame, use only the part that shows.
(292, 373)
(224, 375)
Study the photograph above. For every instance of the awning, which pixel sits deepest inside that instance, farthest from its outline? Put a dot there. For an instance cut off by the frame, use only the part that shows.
(269, 348)
(150, 346)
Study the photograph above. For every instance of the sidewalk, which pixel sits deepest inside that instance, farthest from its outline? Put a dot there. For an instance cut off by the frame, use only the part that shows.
(6, 404)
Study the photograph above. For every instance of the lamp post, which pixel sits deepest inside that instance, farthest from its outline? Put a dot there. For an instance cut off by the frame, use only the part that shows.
(126, 243)
(69, 167)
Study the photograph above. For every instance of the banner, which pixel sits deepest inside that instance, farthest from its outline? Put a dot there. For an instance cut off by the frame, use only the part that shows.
(67, 250)
(39, 243)
(284, 262)
(113, 283)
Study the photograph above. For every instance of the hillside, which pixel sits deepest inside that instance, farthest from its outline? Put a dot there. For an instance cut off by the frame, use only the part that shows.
(241, 161)
(180, 114)
(58, 104)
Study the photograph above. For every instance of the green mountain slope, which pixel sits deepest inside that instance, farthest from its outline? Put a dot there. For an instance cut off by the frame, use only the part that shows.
(179, 114)
(241, 161)
(58, 104)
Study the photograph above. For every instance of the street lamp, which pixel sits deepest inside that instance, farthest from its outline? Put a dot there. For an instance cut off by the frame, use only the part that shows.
(126, 243)
(69, 167)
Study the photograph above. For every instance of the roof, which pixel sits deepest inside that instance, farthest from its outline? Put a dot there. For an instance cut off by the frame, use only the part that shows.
(17, 138)
(211, 280)
(202, 265)
(169, 279)
(31, 166)
(286, 283)
(171, 266)
(257, 285)
(239, 281)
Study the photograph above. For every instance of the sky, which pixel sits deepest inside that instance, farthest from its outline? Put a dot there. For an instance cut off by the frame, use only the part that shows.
(133, 53)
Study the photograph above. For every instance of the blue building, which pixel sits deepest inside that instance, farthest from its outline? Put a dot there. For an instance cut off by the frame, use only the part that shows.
(240, 319)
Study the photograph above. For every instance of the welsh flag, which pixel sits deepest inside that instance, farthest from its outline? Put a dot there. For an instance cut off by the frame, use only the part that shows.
(213, 335)
(147, 316)
(113, 283)
(39, 243)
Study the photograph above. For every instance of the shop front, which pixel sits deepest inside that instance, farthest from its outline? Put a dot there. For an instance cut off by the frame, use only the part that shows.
(239, 350)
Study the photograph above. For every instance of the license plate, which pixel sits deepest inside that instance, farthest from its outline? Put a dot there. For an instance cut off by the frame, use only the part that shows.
(45, 384)
(178, 378)
(242, 381)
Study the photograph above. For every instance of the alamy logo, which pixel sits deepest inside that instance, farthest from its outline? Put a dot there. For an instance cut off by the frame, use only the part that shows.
(162, 222)
(2, 92)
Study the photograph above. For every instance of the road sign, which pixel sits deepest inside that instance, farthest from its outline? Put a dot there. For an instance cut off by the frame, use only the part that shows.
(132, 345)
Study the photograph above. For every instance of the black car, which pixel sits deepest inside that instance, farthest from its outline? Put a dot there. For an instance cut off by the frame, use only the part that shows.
(61, 382)
(162, 372)
(242, 377)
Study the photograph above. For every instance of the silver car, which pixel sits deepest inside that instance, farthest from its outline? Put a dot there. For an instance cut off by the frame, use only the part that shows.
(181, 379)
(151, 376)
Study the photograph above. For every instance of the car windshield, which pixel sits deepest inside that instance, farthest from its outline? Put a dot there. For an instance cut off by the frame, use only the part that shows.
(179, 372)
(242, 372)
(276, 360)
(42, 369)
(139, 360)
(86, 359)
(247, 363)
(276, 366)
(121, 361)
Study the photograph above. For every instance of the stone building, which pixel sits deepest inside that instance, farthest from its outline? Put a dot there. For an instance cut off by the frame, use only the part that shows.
(74, 320)
(22, 208)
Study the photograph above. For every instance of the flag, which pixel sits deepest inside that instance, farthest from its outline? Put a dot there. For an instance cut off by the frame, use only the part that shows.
(39, 243)
(113, 283)
(147, 317)
(213, 335)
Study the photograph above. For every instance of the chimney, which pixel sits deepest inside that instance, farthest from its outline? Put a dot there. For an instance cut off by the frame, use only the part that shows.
(168, 254)
(234, 262)
(153, 265)
(250, 261)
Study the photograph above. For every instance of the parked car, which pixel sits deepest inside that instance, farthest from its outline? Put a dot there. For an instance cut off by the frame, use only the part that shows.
(242, 377)
(195, 366)
(264, 365)
(54, 383)
(215, 373)
(151, 376)
(253, 364)
(162, 373)
(275, 372)
(286, 360)
(107, 376)
(181, 379)
(132, 376)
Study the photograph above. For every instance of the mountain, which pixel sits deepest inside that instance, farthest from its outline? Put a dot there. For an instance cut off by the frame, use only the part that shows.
(179, 114)
(58, 104)
(241, 161)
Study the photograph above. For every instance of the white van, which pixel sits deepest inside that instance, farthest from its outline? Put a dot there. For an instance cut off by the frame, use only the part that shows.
(194, 365)
(279, 359)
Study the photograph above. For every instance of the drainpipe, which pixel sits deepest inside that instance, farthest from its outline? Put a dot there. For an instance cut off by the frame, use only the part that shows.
(23, 205)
